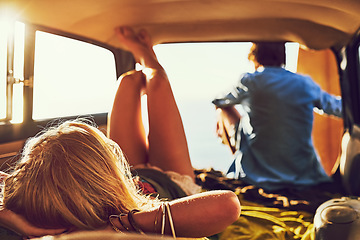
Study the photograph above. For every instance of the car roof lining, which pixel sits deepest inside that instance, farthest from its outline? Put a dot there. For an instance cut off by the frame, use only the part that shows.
(316, 24)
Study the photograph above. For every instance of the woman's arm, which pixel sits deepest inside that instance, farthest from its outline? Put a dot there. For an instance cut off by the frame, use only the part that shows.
(205, 214)
(199, 215)
(18, 224)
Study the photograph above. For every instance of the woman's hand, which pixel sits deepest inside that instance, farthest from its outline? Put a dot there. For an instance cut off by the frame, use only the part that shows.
(21, 226)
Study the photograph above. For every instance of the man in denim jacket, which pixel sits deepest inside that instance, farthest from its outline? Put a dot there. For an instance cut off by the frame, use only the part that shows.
(272, 142)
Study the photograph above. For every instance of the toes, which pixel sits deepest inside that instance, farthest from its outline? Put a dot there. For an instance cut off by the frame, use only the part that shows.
(139, 44)
(145, 38)
(125, 33)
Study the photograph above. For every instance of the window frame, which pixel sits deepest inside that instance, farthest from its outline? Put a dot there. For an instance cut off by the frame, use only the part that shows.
(124, 61)
(349, 72)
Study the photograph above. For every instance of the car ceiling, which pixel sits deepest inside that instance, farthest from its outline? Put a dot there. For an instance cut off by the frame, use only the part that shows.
(317, 24)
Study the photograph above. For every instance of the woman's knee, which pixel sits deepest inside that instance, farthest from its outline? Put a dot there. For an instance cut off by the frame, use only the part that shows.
(133, 78)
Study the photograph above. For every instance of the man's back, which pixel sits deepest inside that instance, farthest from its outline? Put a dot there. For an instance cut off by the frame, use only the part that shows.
(276, 148)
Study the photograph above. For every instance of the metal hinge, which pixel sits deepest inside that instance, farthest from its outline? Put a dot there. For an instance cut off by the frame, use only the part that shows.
(27, 82)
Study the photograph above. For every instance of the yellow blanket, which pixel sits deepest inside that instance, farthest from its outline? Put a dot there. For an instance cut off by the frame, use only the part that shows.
(262, 223)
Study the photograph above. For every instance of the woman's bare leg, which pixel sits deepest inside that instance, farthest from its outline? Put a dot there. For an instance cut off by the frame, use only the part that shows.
(125, 124)
(168, 147)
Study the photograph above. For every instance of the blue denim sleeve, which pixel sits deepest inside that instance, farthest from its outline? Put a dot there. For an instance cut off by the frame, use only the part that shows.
(236, 96)
(330, 104)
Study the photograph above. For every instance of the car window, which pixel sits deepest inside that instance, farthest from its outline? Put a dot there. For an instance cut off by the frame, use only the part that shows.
(71, 77)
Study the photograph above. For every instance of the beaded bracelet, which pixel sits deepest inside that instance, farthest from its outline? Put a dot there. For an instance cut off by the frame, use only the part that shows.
(163, 219)
(170, 220)
(132, 222)
(161, 207)
(122, 223)
(113, 225)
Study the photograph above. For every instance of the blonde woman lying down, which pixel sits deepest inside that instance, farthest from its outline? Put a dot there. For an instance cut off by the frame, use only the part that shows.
(72, 177)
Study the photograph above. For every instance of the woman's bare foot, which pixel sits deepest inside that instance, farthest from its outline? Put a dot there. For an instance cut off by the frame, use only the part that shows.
(139, 45)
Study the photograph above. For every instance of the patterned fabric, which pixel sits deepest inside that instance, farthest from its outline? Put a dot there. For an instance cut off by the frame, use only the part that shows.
(145, 186)
(185, 182)
(271, 215)
(151, 179)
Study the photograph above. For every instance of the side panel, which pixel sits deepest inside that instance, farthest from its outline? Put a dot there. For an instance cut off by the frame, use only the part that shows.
(350, 83)
(327, 131)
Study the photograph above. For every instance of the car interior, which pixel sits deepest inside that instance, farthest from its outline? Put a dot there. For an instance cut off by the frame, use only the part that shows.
(327, 32)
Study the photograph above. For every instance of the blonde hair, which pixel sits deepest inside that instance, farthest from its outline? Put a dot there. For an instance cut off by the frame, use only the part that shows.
(72, 175)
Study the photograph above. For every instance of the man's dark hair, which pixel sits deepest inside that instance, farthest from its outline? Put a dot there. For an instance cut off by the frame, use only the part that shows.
(268, 53)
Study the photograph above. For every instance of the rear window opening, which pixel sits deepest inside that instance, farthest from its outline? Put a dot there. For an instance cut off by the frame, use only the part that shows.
(198, 72)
